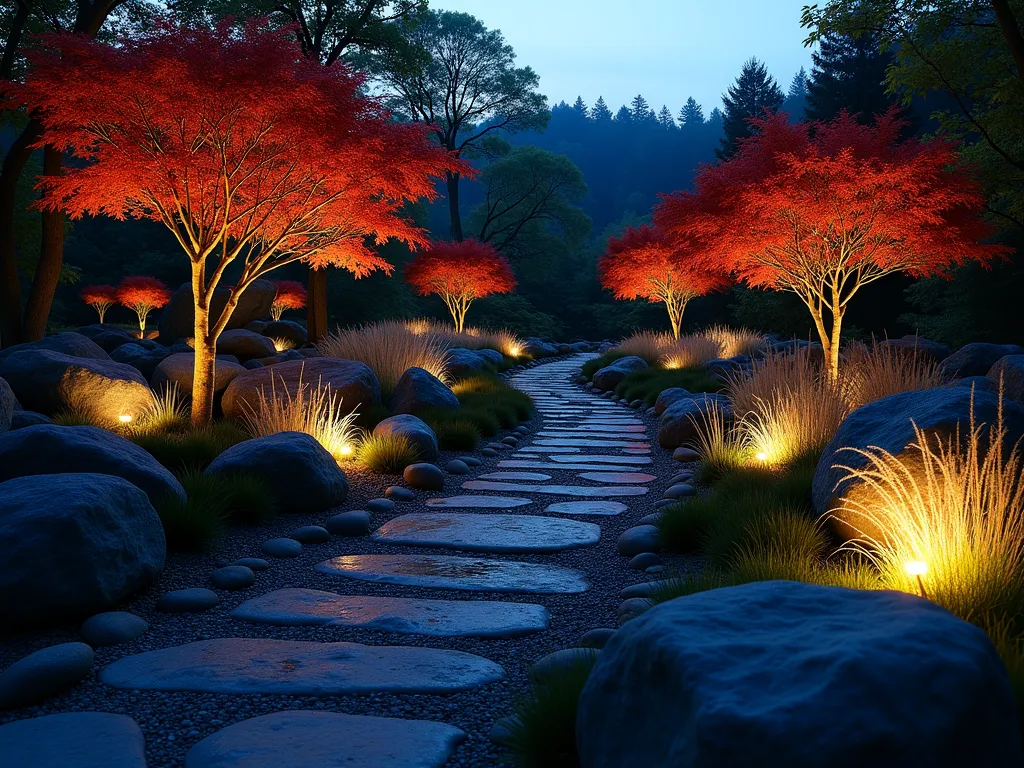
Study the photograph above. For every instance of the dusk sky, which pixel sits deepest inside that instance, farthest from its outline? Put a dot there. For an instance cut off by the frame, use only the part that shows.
(665, 49)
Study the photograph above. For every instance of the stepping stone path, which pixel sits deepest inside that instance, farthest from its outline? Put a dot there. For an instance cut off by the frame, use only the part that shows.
(469, 618)
(590, 450)
(489, 533)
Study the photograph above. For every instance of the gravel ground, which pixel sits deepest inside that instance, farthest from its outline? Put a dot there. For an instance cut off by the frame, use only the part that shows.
(173, 722)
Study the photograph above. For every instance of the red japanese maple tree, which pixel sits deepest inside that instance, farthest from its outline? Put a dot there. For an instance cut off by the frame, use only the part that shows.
(142, 294)
(823, 209)
(251, 156)
(642, 263)
(99, 297)
(460, 272)
(291, 294)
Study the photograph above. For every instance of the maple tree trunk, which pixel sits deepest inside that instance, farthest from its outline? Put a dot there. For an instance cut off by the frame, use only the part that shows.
(453, 206)
(103, 312)
(51, 261)
(142, 323)
(829, 339)
(206, 351)
(675, 307)
(316, 306)
(10, 288)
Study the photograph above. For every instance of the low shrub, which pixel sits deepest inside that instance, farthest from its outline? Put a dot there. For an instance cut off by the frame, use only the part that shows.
(371, 415)
(487, 394)
(685, 526)
(648, 383)
(195, 448)
(542, 730)
(387, 454)
(456, 434)
(194, 525)
(245, 498)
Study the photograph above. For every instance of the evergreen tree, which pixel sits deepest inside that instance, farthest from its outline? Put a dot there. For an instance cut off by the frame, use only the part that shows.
(623, 115)
(665, 118)
(753, 93)
(848, 74)
(796, 100)
(600, 112)
(716, 117)
(641, 110)
(580, 106)
(691, 115)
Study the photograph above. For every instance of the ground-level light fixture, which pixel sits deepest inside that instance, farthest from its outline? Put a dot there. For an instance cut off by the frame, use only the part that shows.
(917, 569)
(761, 456)
(125, 418)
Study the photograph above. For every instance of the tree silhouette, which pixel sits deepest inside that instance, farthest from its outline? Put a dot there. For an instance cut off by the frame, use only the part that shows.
(822, 213)
(460, 272)
(754, 93)
(644, 264)
(251, 156)
(691, 115)
(142, 294)
(290, 295)
(848, 73)
(600, 112)
(99, 297)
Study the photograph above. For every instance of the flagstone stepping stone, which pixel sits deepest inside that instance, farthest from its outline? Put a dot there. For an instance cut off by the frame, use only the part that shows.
(597, 458)
(595, 491)
(457, 467)
(464, 573)
(189, 600)
(45, 673)
(478, 502)
(541, 464)
(398, 493)
(282, 548)
(583, 442)
(614, 428)
(355, 522)
(618, 477)
(538, 449)
(380, 505)
(488, 533)
(589, 435)
(233, 577)
(112, 628)
(525, 456)
(514, 475)
(587, 507)
(73, 740)
(636, 450)
(243, 665)
(311, 534)
(253, 563)
(416, 616)
(311, 738)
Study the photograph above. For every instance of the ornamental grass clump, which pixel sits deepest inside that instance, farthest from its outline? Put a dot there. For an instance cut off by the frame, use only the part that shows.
(718, 443)
(650, 346)
(951, 510)
(872, 373)
(689, 352)
(387, 454)
(389, 348)
(312, 410)
(736, 341)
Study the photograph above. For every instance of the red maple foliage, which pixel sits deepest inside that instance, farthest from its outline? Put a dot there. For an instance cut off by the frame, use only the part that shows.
(823, 209)
(642, 263)
(143, 294)
(251, 156)
(460, 272)
(99, 297)
(291, 294)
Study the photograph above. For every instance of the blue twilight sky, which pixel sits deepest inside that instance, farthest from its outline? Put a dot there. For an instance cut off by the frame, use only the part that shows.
(665, 49)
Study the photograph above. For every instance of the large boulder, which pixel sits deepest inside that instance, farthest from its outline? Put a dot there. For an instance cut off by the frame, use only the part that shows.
(285, 329)
(143, 359)
(419, 389)
(352, 383)
(48, 449)
(50, 382)
(415, 429)
(610, 376)
(923, 348)
(178, 369)
(681, 421)
(67, 343)
(492, 356)
(1010, 371)
(888, 424)
(74, 545)
(300, 473)
(797, 675)
(245, 345)
(976, 359)
(465, 361)
(668, 396)
(8, 405)
(177, 320)
(535, 347)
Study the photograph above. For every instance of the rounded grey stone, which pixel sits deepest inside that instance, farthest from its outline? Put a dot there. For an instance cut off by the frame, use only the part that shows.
(187, 600)
(679, 491)
(652, 519)
(681, 477)
(355, 522)
(380, 505)
(662, 503)
(73, 740)
(282, 548)
(548, 666)
(470, 461)
(644, 560)
(232, 577)
(398, 493)
(311, 534)
(457, 467)
(654, 569)
(632, 607)
(509, 440)
(522, 430)
(427, 477)
(596, 638)
(488, 452)
(112, 628)
(641, 538)
(43, 674)
(253, 563)
(684, 454)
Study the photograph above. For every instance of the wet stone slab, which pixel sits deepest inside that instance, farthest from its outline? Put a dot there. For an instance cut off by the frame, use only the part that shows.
(594, 507)
(613, 428)
(583, 442)
(488, 533)
(311, 738)
(478, 502)
(592, 435)
(618, 477)
(600, 458)
(473, 574)
(556, 490)
(415, 616)
(299, 668)
(515, 476)
(541, 464)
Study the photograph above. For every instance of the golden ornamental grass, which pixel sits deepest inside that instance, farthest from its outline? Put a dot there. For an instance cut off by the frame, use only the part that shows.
(736, 341)
(871, 373)
(648, 345)
(689, 352)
